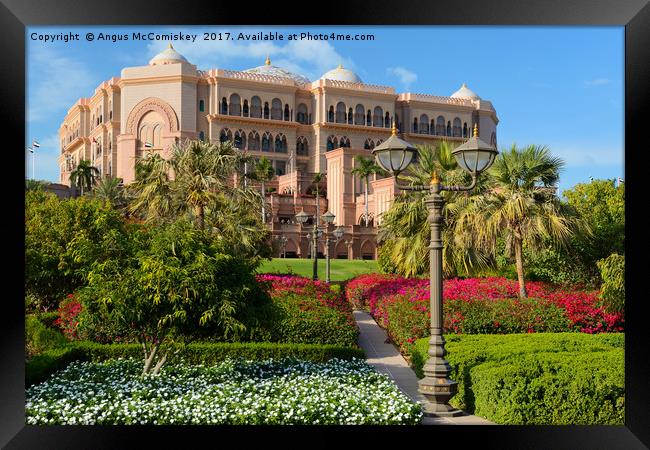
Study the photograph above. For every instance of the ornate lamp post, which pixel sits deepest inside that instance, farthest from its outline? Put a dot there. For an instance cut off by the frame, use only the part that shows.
(302, 218)
(283, 245)
(394, 155)
(328, 218)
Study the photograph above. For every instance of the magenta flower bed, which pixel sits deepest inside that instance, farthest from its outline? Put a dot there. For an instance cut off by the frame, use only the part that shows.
(281, 284)
(479, 305)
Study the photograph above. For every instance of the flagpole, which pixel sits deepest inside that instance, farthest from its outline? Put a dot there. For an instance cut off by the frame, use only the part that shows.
(33, 164)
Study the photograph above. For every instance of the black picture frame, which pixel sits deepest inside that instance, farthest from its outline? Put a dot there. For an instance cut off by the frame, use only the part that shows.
(634, 15)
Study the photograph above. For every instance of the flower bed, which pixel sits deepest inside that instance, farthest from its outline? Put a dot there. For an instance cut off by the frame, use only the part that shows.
(232, 392)
(486, 306)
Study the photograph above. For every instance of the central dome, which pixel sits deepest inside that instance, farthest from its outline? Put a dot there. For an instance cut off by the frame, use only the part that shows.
(465, 92)
(274, 71)
(342, 74)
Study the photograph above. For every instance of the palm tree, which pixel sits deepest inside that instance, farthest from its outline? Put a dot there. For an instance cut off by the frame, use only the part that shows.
(263, 172)
(200, 169)
(84, 176)
(365, 167)
(317, 180)
(520, 205)
(112, 190)
(406, 224)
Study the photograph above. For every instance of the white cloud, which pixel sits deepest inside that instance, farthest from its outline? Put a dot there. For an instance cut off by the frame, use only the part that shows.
(597, 82)
(405, 76)
(55, 82)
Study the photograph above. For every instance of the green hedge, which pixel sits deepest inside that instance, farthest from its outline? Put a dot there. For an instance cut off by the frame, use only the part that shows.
(40, 367)
(40, 337)
(537, 378)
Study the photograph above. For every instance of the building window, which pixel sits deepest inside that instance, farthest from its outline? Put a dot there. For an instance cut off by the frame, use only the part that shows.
(287, 116)
(224, 106)
(276, 109)
(266, 142)
(245, 108)
(378, 117)
(301, 115)
(330, 116)
(201, 105)
(359, 116)
(465, 129)
(369, 118)
(235, 105)
(280, 167)
(448, 128)
(340, 112)
(266, 110)
(253, 141)
(350, 116)
(302, 146)
(256, 107)
(332, 143)
(415, 124)
(201, 136)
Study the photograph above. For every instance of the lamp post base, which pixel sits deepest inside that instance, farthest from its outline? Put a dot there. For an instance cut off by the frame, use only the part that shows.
(437, 392)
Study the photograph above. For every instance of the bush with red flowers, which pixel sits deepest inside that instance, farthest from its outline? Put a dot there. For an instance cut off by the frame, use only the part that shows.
(68, 310)
(479, 306)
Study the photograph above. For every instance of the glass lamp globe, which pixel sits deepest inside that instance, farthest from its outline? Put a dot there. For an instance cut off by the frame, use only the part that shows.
(328, 217)
(394, 154)
(475, 156)
(302, 217)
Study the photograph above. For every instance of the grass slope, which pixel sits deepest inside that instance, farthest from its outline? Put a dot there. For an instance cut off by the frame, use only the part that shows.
(341, 269)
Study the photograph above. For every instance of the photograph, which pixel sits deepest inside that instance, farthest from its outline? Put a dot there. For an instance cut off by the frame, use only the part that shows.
(385, 226)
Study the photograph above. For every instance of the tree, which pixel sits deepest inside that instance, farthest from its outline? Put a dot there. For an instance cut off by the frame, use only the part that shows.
(601, 204)
(63, 238)
(84, 176)
(263, 172)
(365, 168)
(176, 281)
(200, 169)
(405, 231)
(520, 205)
(110, 189)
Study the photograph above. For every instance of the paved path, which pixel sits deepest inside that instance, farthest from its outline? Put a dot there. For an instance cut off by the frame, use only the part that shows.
(387, 359)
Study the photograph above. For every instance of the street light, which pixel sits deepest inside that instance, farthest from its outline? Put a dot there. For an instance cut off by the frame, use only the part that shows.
(302, 218)
(328, 218)
(283, 244)
(474, 156)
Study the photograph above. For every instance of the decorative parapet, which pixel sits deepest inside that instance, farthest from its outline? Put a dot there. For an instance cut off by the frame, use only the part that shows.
(259, 78)
(353, 86)
(409, 96)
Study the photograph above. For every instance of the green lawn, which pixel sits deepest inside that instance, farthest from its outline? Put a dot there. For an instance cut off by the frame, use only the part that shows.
(341, 269)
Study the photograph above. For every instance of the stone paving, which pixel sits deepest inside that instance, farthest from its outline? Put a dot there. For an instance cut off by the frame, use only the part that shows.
(387, 359)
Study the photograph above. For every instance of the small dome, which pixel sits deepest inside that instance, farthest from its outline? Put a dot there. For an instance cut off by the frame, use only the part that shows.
(168, 56)
(274, 71)
(342, 74)
(465, 92)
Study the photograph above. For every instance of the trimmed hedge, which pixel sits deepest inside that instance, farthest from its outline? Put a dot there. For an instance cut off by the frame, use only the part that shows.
(537, 378)
(40, 367)
(40, 337)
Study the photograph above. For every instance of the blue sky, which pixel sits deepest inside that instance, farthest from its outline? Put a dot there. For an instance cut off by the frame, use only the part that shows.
(562, 87)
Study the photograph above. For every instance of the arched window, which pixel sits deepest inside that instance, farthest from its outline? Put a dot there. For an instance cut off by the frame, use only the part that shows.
(465, 129)
(245, 110)
(201, 138)
(256, 107)
(276, 109)
(253, 140)
(340, 112)
(235, 105)
(456, 130)
(440, 126)
(415, 124)
(359, 115)
(378, 117)
(493, 139)
(286, 113)
(201, 105)
(224, 106)
(240, 140)
(280, 143)
(369, 118)
(424, 124)
(432, 127)
(266, 110)
(449, 128)
(350, 116)
(301, 115)
(332, 143)
(345, 142)
(225, 135)
(266, 142)
(379, 141)
(302, 146)
(369, 144)
(330, 114)
(387, 120)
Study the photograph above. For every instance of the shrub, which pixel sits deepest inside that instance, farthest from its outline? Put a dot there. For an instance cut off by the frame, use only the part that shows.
(39, 337)
(568, 364)
(42, 366)
(67, 313)
(612, 292)
(63, 238)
